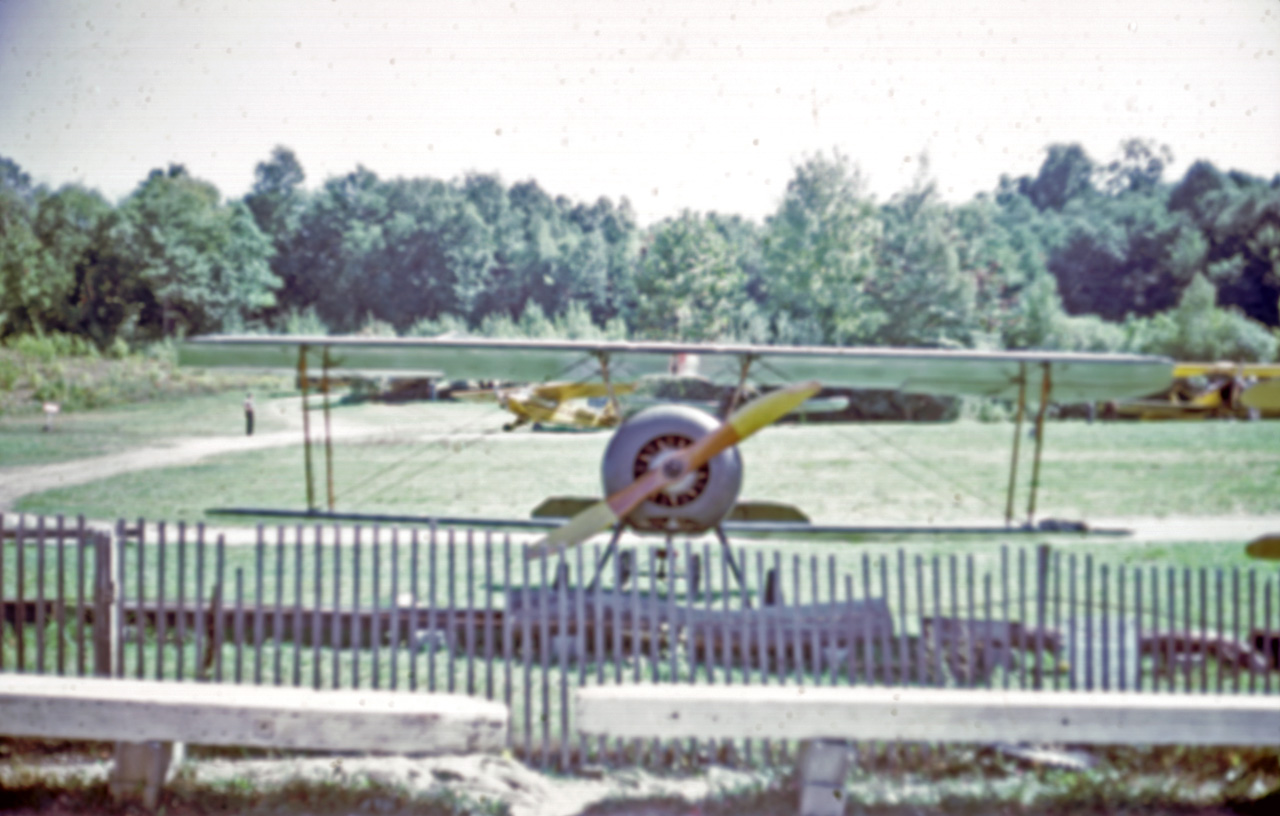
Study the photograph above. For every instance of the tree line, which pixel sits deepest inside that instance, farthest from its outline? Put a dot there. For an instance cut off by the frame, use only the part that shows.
(1084, 255)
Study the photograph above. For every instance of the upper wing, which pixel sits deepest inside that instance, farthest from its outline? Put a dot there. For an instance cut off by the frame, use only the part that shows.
(1072, 377)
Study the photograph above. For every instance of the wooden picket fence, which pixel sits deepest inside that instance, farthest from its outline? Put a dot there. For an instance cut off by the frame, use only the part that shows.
(464, 611)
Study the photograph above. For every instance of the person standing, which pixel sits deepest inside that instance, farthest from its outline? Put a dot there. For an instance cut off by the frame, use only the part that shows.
(248, 414)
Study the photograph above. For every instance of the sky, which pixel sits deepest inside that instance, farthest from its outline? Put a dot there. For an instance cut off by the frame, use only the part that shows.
(673, 104)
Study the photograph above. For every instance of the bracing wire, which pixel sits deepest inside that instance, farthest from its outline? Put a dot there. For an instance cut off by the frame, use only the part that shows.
(380, 477)
(896, 465)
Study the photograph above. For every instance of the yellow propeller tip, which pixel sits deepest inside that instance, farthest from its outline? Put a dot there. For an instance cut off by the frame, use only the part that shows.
(578, 529)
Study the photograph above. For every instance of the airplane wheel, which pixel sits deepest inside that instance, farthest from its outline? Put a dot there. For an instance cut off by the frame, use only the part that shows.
(510, 426)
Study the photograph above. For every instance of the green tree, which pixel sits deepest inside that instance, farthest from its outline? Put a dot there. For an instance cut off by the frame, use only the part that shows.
(688, 283)
(614, 227)
(278, 202)
(819, 253)
(1138, 169)
(1066, 175)
(74, 228)
(1125, 254)
(201, 264)
(1000, 260)
(23, 271)
(918, 287)
(1239, 216)
(399, 251)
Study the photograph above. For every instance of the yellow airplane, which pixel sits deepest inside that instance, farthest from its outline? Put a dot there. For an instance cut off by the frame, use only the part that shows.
(563, 404)
(1212, 391)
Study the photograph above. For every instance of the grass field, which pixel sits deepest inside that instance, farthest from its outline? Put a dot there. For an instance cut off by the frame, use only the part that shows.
(93, 433)
(901, 473)
(450, 459)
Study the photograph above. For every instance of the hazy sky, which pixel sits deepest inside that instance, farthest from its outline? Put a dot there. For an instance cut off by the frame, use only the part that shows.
(701, 104)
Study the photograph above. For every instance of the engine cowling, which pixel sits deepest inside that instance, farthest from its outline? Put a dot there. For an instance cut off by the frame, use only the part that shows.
(696, 502)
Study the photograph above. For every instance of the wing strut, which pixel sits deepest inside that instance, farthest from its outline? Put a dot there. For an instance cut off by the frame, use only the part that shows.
(603, 357)
(306, 428)
(744, 365)
(1017, 439)
(1046, 386)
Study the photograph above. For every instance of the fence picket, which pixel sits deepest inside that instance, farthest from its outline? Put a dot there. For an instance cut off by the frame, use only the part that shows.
(526, 650)
(393, 617)
(433, 612)
(260, 616)
(317, 619)
(238, 627)
(161, 621)
(356, 627)
(375, 610)
(335, 625)
(219, 595)
(201, 636)
(508, 651)
(83, 541)
(40, 597)
(181, 623)
(489, 615)
(297, 607)
(415, 619)
(469, 629)
(20, 570)
(59, 609)
(451, 622)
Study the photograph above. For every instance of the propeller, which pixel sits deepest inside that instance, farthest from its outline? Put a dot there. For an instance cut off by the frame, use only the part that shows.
(741, 424)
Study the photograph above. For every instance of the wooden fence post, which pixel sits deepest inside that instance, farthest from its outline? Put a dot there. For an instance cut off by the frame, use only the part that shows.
(106, 644)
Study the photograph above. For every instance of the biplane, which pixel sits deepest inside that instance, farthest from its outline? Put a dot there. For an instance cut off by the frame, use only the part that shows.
(673, 469)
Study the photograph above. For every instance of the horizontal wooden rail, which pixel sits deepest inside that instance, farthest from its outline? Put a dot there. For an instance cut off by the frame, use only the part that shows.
(930, 715)
(204, 714)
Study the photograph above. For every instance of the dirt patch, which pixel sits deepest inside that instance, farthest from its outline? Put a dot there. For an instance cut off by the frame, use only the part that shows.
(476, 784)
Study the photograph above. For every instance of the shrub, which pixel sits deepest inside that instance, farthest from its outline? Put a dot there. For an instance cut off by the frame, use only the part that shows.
(1198, 330)
(48, 347)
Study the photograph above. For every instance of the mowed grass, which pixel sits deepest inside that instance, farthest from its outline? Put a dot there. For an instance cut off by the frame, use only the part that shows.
(23, 440)
(450, 459)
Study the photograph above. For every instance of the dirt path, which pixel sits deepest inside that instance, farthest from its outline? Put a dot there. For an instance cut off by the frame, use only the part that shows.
(21, 481)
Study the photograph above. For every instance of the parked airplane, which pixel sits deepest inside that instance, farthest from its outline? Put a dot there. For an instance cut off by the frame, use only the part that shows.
(1211, 391)
(562, 404)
